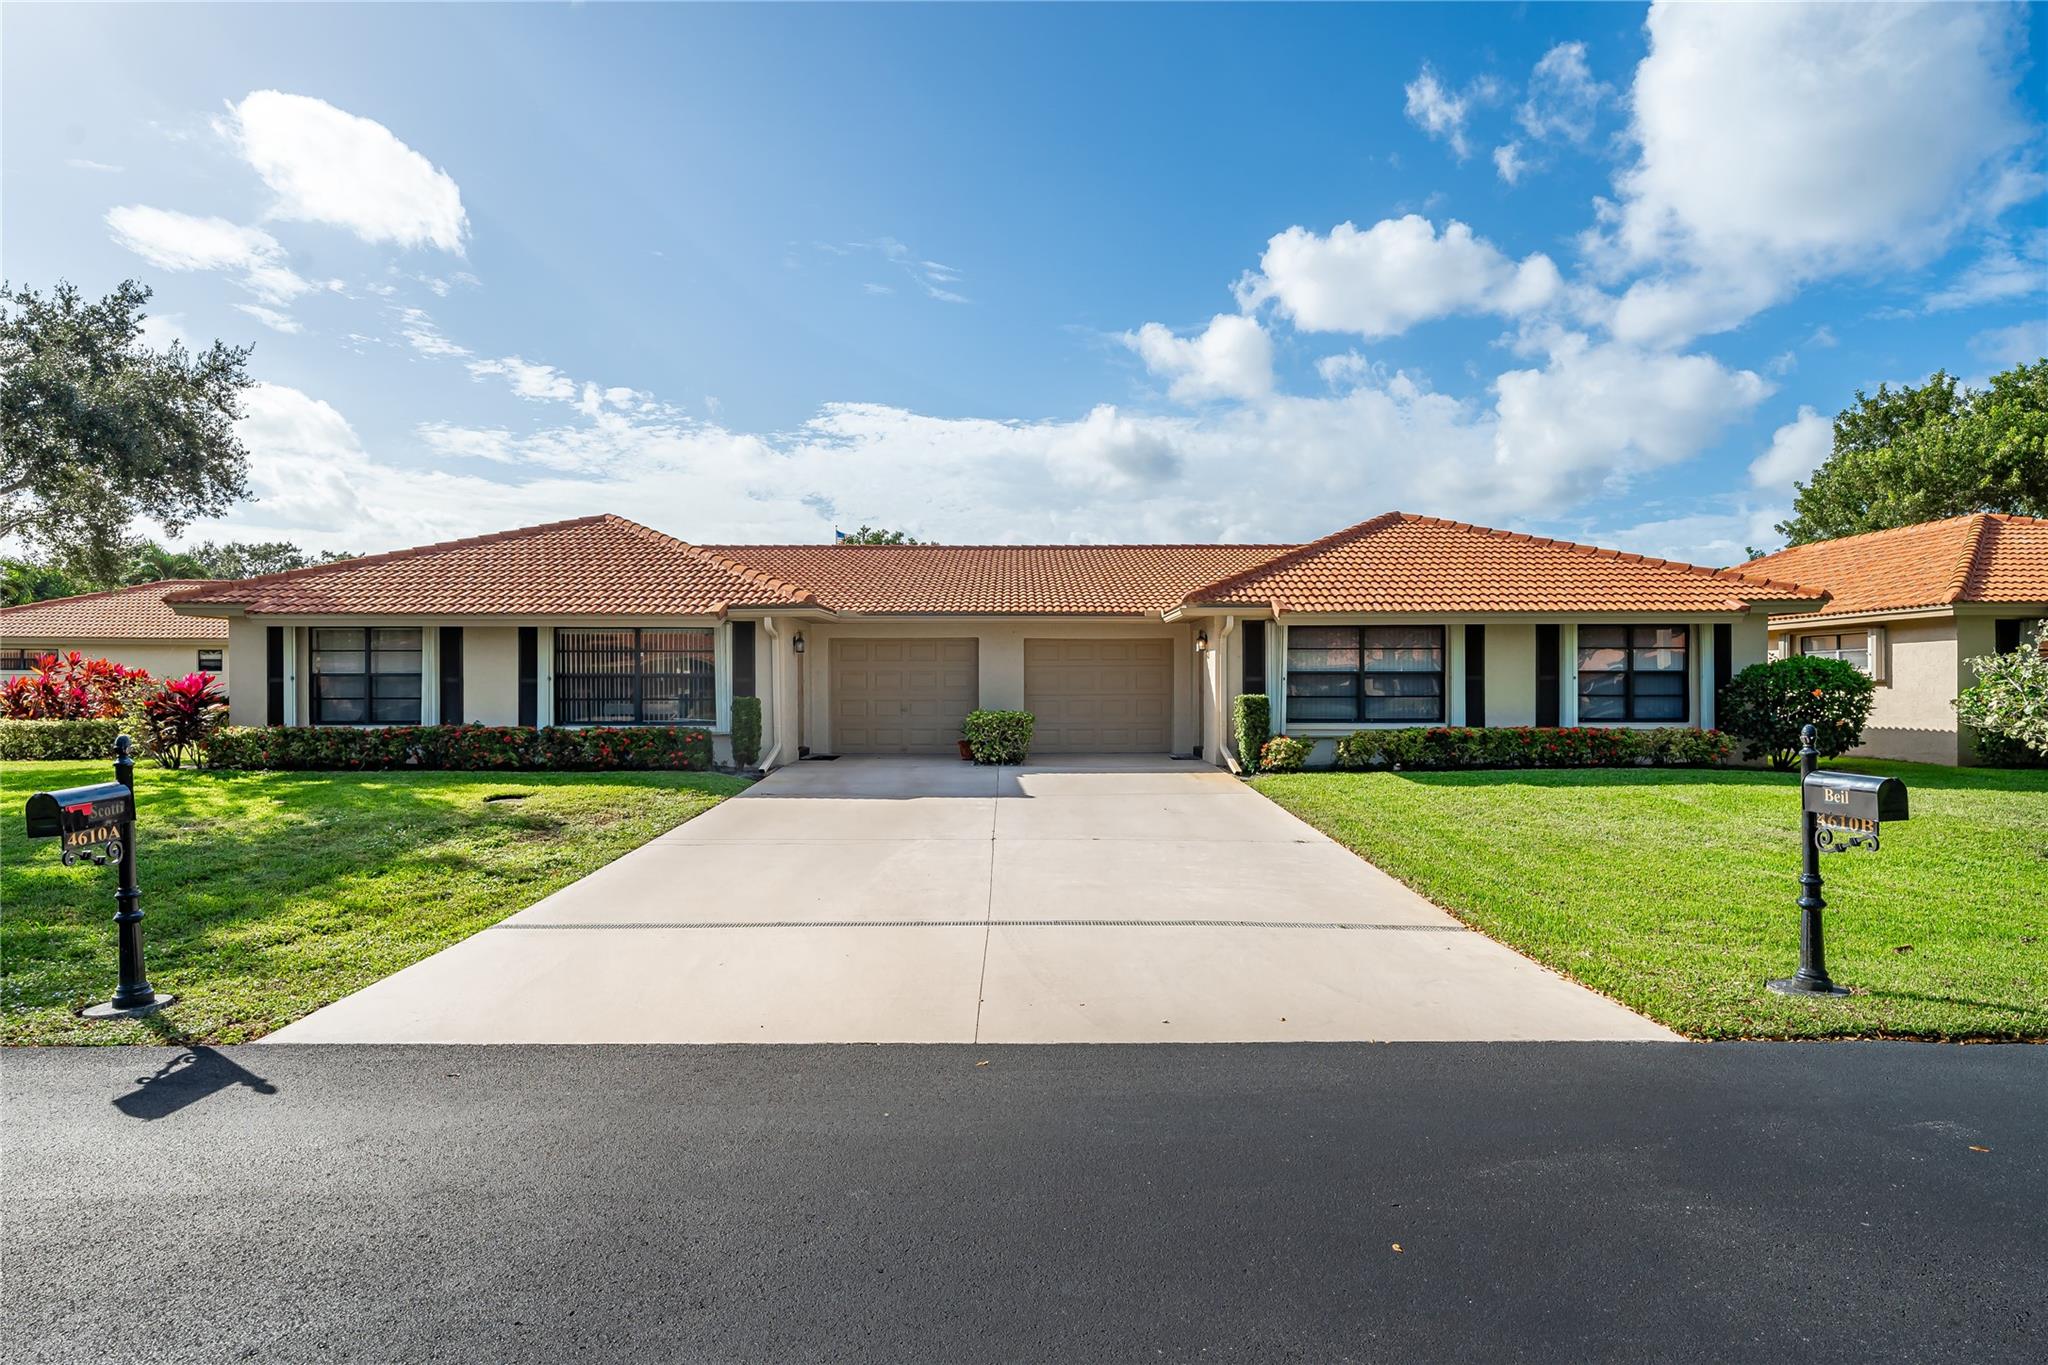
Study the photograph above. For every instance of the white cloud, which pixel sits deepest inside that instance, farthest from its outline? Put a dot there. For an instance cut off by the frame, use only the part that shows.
(329, 166)
(1509, 163)
(1399, 272)
(423, 336)
(162, 330)
(1437, 111)
(1231, 358)
(1597, 414)
(79, 163)
(271, 318)
(1563, 98)
(181, 241)
(527, 379)
(1798, 448)
(2019, 344)
(1778, 144)
(2005, 271)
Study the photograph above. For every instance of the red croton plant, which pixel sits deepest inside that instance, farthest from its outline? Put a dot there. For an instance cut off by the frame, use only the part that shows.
(177, 719)
(71, 687)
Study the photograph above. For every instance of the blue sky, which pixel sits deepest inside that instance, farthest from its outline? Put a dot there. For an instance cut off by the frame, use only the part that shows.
(1041, 274)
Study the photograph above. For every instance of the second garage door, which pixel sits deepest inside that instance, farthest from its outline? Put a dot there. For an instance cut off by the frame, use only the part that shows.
(1099, 696)
(902, 696)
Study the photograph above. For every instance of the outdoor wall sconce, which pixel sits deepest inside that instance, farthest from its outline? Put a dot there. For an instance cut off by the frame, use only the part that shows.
(1201, 641)
(797, 642)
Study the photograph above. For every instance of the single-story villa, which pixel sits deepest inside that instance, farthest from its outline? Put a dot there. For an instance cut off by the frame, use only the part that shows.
(130, 626)
(883, 649)
(1911, 607)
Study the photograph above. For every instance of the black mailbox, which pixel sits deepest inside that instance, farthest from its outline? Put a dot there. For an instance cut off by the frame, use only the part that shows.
(1852, 800)
(83, 817)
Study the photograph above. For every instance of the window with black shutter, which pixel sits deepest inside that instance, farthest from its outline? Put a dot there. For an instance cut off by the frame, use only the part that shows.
(451, 675)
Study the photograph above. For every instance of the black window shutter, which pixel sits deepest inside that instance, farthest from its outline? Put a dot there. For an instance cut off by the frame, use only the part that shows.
(1475, 675)
(529, 675)
(743, 658)
(2006, 635)
(273, 675)
(1547, 639)
(451, 675)
(1254, 657)
(1724, 661)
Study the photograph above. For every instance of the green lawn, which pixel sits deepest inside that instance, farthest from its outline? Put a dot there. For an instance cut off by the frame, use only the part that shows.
(268, 895)
(1673, 891)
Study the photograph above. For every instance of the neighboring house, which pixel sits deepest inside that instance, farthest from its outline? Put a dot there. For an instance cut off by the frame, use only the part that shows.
(130, 626)
(883, 649)
(1911, 607)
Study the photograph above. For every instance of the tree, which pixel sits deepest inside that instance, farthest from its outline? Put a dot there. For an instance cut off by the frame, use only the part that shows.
(97, 429)
(2008, 704)
(875, 535)
(145, 561)
(1938, 450)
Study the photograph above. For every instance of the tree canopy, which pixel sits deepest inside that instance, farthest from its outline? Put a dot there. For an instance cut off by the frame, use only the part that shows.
(1937, 450)
(875, 535)
(98, 429)
(145, 561)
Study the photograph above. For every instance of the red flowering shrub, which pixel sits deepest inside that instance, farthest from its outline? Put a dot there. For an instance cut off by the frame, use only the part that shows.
(72, 687)
(1526, 746)
(174, 721)
(465, 748)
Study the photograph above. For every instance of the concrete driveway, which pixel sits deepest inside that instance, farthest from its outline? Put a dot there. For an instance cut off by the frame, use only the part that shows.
(928, 900)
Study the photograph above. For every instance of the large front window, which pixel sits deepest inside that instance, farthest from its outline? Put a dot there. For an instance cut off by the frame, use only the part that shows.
(366, 677)
(634, 677)
(1632, 673)
(1365, 673)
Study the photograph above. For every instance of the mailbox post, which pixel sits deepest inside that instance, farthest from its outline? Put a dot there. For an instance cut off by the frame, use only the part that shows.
(97, 825)
(1838, 812)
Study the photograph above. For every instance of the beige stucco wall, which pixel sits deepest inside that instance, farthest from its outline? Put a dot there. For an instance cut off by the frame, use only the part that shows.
(1510, 673)
(490, 676)
(1000, 645)
(163, 658)
(1911, 715)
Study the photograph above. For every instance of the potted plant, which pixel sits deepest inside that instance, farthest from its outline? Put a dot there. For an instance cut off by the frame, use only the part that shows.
(966, 748)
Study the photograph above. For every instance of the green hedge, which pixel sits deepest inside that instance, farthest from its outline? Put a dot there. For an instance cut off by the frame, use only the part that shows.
(460, 747)
(999, 736)
(746, 731)
(24, 740)
(1251, 722)
(1524, 746)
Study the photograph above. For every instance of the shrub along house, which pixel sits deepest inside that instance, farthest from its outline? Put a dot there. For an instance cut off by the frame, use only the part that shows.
(1911, 607)
(883, 649)
(130, 626)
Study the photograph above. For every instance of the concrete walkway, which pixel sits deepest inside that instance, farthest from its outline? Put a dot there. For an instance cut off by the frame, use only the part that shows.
(928, 900)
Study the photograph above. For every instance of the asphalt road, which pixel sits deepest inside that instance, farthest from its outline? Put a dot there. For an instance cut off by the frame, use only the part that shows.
(1548, 1202)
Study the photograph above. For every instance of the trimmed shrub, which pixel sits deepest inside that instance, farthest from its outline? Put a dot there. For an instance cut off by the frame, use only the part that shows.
(999, 736)
(72, 687)
(1766, 705)
(23, 741)
(172, 722)
(2008, 706)
(1251, 721)
(1284, 754)
(1439, 748)
(462, 748)
(746, 731)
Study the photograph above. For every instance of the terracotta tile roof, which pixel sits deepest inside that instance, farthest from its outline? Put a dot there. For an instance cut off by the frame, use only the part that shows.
(1983, 557)
(1073, 580)
(1401, 562)
(136, 613)
(601, 565)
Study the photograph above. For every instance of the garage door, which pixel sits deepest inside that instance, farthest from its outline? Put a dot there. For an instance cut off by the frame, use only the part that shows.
(902, 696)
(1099, 696)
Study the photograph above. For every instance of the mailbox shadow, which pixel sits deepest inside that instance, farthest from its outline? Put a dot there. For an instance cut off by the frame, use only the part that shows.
(185, 1079)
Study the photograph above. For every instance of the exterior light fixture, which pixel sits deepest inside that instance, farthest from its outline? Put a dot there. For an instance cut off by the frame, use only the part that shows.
(1201, 641)
(797, 642)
